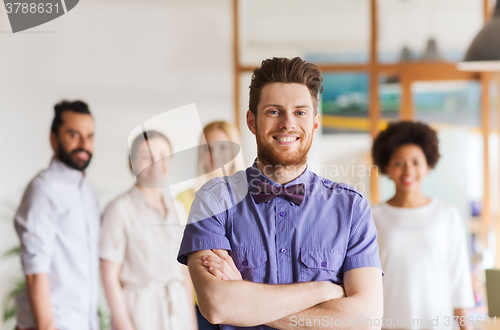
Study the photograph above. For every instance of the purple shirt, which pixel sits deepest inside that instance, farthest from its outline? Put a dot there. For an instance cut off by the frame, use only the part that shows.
(279, 242)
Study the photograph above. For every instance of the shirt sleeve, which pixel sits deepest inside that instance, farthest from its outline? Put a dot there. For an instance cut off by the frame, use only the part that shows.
(36, 226)
(362, 248)
(459, 270)
(205, 229)
(113, 238)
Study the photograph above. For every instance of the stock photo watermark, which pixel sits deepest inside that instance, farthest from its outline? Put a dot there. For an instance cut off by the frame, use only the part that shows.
(363, 321)
(24, 15)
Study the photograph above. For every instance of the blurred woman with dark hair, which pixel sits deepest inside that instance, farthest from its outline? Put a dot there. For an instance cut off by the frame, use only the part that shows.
(422, 240)
(146, 288)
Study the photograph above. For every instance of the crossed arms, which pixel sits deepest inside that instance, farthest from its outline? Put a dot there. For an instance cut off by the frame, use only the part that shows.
(226, 299)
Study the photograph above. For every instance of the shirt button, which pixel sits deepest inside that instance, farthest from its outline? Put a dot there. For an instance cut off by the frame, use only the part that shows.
(282, 214)
(283, 250)
(323, 264)
(244, 263)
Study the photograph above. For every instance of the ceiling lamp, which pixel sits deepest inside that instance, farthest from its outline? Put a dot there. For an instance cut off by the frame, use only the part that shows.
(484, 51)
(431, 53)
(405, 55)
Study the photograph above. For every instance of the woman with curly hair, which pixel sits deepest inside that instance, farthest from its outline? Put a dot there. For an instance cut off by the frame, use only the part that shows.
(422, 240)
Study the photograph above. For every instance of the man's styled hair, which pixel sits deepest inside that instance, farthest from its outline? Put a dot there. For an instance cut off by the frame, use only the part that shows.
(63, 106)
(401, 133)
(284, 70)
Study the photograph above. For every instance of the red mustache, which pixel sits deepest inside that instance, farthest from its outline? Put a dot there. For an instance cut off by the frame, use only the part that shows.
(286, 132)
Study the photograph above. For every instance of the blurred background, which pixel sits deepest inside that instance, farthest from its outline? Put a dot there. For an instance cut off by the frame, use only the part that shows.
(381, 60)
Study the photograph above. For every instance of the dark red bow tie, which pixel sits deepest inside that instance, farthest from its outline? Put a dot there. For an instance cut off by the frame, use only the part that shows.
(266, 192)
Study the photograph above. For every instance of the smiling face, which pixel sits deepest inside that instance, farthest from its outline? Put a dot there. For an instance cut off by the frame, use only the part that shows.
(152, 175)
(284, 125)
(220, 152)
(407, 167)
(74, 142)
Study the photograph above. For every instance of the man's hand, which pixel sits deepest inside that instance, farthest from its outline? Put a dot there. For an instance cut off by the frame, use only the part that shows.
(363, 297)
(222, 266)
(247, 304)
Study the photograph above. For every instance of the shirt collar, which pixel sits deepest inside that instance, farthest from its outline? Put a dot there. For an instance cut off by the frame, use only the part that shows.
(254, 175)
(139, 196)
(70, 174)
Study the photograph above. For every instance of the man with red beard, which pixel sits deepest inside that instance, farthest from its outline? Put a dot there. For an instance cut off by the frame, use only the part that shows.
(303, 249)
(58, 224)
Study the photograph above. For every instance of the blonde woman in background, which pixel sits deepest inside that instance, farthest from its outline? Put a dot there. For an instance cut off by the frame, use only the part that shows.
(215, 131)
(146, 288)
(223, 153)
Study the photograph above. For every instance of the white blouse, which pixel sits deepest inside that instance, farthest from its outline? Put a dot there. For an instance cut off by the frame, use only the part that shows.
(423, 251)
(135, 235)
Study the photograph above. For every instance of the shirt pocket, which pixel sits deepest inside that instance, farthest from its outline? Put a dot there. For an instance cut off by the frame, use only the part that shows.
(321, 265)
(251, 262)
